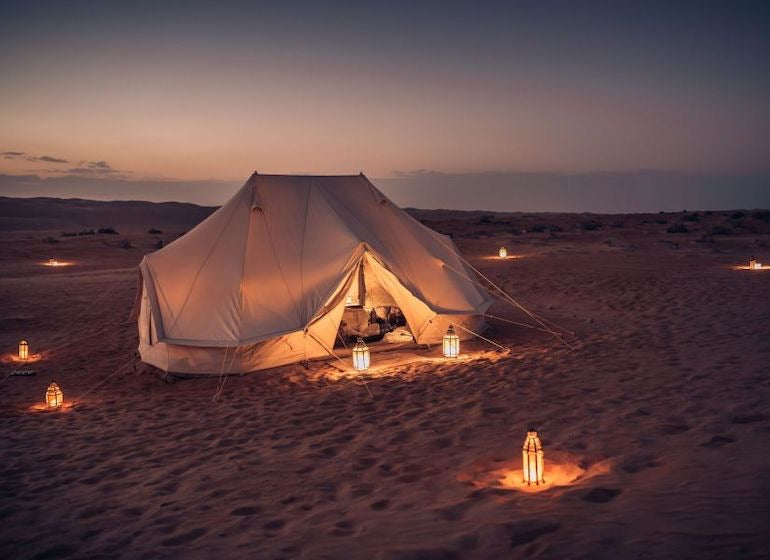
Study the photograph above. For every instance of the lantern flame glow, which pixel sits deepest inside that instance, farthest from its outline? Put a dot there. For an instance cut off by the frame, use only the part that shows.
(361, 357)
(503, 252)
(23, 350)
(532, 459)
(54, 397)
(451, 343)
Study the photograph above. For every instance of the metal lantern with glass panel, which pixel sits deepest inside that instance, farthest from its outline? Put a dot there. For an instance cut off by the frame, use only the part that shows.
(451, 343)
(23, 350)
(360, 355)
(532, 459)
(54, 397)
(503, 252)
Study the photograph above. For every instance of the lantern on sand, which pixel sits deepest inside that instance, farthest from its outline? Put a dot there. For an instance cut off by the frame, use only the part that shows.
(752, 262)
(532, 459)
(451, 343)
(23, 350)
(54, 398)
(360, 355)
(503, 252)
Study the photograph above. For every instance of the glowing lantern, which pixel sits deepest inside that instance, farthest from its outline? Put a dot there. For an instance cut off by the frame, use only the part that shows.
(360, 355)
(757, 265)
(451, 343)
(23, 350)
(503, 252)
(54, 398)
(532, 459)
(753, 263)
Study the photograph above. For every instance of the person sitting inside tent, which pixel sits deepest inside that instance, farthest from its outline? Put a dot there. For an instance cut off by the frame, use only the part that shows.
(357, 321)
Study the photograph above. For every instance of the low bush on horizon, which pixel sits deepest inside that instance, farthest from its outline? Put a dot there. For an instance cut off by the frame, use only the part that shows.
(677, 228)
(125, 244)
(721, 230)
(153, 231)
(691, 217)
(108, 230)
(591, 225)
(50, 240)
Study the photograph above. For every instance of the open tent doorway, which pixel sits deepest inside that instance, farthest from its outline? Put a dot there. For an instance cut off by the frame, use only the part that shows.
(371, 311)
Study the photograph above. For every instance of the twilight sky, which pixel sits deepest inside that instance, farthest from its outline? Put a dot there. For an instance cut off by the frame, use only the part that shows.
(433, 96)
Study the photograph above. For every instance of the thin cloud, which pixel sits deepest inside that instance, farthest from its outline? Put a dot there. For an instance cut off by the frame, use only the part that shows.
(91, 170)
(51, 159)
(12, 155)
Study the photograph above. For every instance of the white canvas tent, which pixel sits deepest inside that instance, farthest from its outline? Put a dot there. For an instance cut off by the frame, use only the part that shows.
(263, 281)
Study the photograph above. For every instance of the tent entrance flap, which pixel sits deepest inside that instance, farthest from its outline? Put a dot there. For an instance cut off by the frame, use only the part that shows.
(374, 303)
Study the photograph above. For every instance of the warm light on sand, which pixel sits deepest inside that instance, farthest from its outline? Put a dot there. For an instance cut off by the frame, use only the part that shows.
(563, 469)
(57, 263)
(757, 266)
(508, 257)
(42, 407)
(14, 358)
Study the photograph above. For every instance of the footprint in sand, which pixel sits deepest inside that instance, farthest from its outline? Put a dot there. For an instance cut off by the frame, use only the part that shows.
(747, 418)
(184, 538)
(343, 528)
(717, 441)
(246, 510)
(526, 531)
(380, 505)
(600, 495)
(274, 525)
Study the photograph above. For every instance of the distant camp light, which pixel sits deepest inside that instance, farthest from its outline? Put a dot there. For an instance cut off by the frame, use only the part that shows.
(23, 350)
(753, 263)
(451, 343)
(54, 398)
(532, 459)
(360, 355)
(503, 252)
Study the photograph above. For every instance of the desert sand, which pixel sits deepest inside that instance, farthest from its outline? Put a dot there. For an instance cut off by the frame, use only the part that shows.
(660, 409)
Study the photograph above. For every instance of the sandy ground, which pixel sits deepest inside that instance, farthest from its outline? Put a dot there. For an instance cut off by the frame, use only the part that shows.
(661, 407)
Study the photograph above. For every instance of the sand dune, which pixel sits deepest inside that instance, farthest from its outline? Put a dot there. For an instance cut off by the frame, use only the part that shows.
(663, 402)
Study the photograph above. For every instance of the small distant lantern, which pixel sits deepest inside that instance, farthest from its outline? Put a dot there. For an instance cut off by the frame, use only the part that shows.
(360, 355)
(503, 252)
(532, 459)
(23, 350)
(54, 398)
(451, 343)
(53, 262)
(757, 265)
(752, 262)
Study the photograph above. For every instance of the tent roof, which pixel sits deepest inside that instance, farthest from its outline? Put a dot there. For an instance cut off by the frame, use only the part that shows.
(267, 261)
